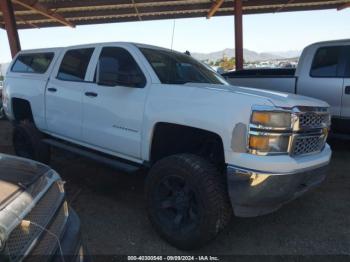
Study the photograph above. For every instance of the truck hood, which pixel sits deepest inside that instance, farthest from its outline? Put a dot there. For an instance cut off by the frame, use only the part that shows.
(16, 174)
(278, 99)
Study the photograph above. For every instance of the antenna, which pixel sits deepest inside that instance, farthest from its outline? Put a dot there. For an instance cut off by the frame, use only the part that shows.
(172, 37)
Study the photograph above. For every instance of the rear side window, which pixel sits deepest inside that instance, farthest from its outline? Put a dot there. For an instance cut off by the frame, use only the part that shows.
(74, 64)
(326, 62)
(36, 63)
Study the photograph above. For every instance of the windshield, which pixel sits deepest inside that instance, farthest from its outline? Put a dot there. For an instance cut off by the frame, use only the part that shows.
(176, 68)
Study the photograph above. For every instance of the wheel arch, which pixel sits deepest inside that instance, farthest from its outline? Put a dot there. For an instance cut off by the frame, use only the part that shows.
(22, 109)
(164, 142)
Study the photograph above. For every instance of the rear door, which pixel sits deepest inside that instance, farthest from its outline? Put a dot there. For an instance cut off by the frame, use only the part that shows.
(64, 93)
(113, 110)
(321, 77)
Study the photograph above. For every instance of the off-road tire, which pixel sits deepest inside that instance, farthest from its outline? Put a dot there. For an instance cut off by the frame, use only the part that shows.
(27, 142)
(208, 188)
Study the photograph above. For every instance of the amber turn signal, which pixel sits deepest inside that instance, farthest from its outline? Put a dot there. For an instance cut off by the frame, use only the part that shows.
(259, 142)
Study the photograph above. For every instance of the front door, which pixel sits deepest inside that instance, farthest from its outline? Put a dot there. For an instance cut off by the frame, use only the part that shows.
(64, 94)
(113, 105)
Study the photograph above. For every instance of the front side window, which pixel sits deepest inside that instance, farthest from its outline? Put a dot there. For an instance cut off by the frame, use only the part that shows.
(36, 63)
(326, 62)
(176, 68)
(74, 64)
(117, 67)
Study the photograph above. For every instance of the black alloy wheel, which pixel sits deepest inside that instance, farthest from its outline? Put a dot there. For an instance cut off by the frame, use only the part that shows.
(187, 200)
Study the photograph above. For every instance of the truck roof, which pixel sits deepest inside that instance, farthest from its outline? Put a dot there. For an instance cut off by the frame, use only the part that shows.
(57, 49)
(40, 50)
(332, 42)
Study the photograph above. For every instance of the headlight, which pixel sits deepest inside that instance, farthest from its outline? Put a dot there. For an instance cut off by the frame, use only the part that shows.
(270, 130)
(271, 119)
(268, 143)
(289, 131)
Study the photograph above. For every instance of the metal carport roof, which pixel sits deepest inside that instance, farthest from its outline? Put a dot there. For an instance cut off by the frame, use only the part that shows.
(29, 13)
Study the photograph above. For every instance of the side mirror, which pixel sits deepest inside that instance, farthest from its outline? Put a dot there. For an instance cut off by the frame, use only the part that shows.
(109, 74)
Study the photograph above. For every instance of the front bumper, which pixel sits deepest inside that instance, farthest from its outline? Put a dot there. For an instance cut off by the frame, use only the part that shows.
(254, 193)
(72, 245)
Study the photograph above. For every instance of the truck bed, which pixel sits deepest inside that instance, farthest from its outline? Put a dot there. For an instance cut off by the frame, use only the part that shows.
(281, 79)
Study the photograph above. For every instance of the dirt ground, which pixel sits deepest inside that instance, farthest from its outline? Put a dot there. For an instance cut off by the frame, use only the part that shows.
(114, 219)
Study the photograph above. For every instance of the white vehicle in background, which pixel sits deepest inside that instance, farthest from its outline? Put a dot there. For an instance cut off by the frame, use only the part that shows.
(218, 69)
(210, 147)
(2, 114)
(323, 72)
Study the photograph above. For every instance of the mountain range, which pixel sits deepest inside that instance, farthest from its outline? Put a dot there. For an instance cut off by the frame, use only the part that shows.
(249, 56)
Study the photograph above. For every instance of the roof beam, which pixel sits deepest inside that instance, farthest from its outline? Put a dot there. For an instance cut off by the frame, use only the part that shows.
(41, 9)
(344, 6)
(28, 23)
(136, 10)
(215, 7)
(283, 6)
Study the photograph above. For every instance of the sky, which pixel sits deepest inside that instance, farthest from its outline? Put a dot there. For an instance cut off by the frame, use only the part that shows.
(262, 33)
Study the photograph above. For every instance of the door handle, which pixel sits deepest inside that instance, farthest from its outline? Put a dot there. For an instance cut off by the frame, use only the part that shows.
(52, 89)
(347, 90)
(91, 94)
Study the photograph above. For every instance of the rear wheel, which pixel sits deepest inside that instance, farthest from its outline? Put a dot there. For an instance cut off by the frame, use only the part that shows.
(27, 141)
(187, 200)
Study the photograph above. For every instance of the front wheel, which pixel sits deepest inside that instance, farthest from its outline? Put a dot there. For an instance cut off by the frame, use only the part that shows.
(187, 200)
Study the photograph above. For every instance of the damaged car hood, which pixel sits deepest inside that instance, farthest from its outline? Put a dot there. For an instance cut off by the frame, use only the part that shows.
(16, 174)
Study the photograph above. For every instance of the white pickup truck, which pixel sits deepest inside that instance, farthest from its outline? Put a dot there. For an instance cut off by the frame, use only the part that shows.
(323, 72)
(210, 147)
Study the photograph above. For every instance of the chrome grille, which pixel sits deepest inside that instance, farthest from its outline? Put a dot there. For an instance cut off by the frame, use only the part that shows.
(308, 144)
(312, 131)
(21, 239)
(313, 120)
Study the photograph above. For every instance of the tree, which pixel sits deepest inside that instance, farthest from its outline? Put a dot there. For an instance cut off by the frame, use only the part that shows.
(227, 63)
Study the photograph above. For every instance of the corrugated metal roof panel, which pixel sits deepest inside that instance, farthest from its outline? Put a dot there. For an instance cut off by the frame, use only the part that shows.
(81, 12)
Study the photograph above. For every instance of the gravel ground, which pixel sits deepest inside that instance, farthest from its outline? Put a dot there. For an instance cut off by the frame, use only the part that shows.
(114, 219)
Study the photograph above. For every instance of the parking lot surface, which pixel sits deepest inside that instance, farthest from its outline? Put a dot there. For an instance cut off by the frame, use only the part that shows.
(114, 218)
